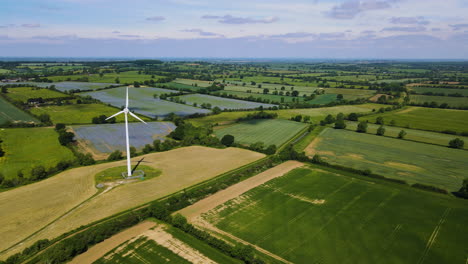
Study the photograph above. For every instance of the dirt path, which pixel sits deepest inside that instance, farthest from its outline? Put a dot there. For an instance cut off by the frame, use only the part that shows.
(99, 250)
(203, 206)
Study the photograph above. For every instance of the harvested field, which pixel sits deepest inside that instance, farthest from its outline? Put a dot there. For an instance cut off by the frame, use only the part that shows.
(319, 216)
(181, 168)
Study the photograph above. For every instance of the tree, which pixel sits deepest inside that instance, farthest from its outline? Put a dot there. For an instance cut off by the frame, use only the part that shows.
(59, 126)
(147, 149)
(44, 118)
(270, 150)
(402, 134)
(266, 90)
(179, 221)
(216, 110)
(456, 143)
(38, 172)
(117, 80)
(2, 152)
(340, 124)
(381, 131)
(295, 93)
(379, 120)
(116, 155)
(362, 127)
(339, 97)
(353, 117)
(65, 137)
(133, 151)
(227, 140)
(340, 116)
(4, 89)
(464, 189)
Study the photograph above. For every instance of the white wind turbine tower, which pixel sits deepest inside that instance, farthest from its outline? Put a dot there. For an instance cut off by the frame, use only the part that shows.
(126, 111)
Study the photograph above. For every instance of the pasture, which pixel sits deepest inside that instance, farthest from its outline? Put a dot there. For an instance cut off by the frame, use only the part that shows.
(412, 134)
(78, 113)
(124, 77)
(451, 101)
(405, 160)
(433, 119)
(106, 138)
(223, 103)
(269, 131)
(29, 209)
(320, 216)
(10, 113)
(191, 82)
(26, 148)
(445, 91)
(164, 244)
(142, 101)
(22, 94)
(316, 114)
(67, 86)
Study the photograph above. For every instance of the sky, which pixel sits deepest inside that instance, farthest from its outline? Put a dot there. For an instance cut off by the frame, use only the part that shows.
(345, 29)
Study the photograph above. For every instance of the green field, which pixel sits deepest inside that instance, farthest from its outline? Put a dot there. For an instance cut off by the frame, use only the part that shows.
(22, 94)
(28, 147)
(124, 77)
(270, 131)
(451, 101)
(145, 250)
(433, 119)
(77, 113)
(193, 82)
(319, 216)
(412, 134)
(446, 91)
(223, 103)
(9, 112)
(406, 160)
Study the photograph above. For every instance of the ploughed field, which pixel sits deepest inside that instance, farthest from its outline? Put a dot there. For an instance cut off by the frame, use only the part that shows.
(311, 215)
(106, 138)
(269, 131)
(142, 101)
(394, 158)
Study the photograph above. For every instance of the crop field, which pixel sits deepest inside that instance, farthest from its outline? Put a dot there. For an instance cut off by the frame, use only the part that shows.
(124, 77)
(106, 138)
(350, 94)
(238, 86)
(28, 147)
(193, 82)
(141, 100)
(446, 91)
(410, 161)
(268, 131)
(181, 168)
(164, 244)
(316, 114)
(22, 94)
(223, 103)
(426, 118)
(412, 134)
(451, 101)
(77, 113)
(273, 98)
(9, 112)
(318, 216)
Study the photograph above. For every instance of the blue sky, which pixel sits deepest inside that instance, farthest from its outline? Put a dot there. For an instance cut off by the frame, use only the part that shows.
(242, 28)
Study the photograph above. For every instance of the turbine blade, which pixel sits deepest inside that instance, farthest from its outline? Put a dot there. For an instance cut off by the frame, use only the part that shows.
(135, 116)
(115, 115)
(126, 101)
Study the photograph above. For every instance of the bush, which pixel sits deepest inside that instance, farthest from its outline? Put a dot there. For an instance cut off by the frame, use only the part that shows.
(456, 143)
(227, 140)
(362, 127)
(116, 155)
(340, 124)
(429, 188)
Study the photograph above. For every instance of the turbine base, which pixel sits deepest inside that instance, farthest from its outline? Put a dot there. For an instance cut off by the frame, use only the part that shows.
(138, 174)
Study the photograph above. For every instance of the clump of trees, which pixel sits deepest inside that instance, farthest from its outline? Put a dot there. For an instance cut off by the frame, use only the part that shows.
(102, 120)
(362, 127)
(258, 115)
(456, 143)
(116, 155)
(381, 131)
(227, 140)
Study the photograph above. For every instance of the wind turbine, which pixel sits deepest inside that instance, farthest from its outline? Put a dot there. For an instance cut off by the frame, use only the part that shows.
(126, 111)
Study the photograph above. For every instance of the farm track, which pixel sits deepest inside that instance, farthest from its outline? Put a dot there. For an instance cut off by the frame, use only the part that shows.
(433, 237)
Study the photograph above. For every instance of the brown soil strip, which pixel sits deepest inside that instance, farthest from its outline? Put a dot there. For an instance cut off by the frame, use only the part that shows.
(236, 190)
(99, 250)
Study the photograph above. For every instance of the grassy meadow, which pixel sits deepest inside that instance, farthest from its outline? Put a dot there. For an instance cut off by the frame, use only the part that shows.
(319, 216)
(433, 119)
(406, 160)
(451, 101)
(77, 113)
(411, 134)
(222, 103)
(22, 94)
(26, 148)
(269, 131)
(10, 113)
(124, 77)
